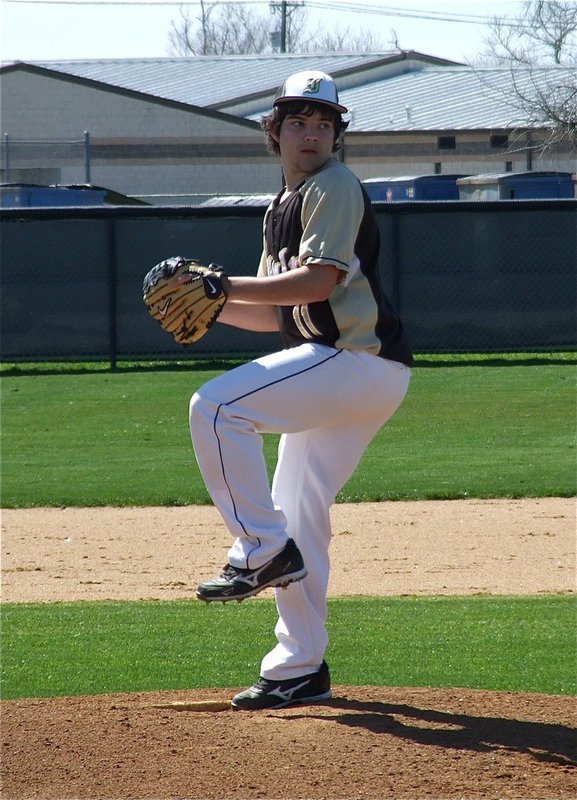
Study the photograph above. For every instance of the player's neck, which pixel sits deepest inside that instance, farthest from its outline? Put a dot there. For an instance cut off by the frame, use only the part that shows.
(294, 176)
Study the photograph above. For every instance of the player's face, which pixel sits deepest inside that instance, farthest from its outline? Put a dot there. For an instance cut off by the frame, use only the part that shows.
(306, 143)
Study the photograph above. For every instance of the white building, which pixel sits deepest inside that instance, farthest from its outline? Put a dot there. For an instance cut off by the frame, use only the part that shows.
(190, 126)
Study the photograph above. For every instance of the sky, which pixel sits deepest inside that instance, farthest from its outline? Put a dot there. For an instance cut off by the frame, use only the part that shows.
(47, 30)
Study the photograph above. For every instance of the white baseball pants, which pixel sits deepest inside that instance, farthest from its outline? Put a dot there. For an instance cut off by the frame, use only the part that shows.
(328, 404)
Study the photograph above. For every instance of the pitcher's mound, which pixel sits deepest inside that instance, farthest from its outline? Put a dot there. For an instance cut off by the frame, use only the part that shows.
(368, 743)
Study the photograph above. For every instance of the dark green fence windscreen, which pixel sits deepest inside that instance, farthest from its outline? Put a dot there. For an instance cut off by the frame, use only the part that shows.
(465, 277)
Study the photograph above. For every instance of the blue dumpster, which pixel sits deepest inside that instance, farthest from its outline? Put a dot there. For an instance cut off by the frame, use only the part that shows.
(24, 195)
(517, 186)
(413, 187)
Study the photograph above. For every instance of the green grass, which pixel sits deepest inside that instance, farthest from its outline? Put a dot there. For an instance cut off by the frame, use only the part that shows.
(494, 643)
(85, 436)
(481, 426)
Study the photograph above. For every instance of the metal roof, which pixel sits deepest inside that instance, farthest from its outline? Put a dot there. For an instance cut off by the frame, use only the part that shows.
(384, 91)
(450, 99)
(209, 81)
(238, 200)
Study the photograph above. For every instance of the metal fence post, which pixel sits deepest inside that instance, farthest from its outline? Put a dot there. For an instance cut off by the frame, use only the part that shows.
(6, 157)
(394, 256)
(112, 277)
(86, 157)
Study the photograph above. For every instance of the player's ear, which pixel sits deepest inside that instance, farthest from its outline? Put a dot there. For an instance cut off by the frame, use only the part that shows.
(274, 132)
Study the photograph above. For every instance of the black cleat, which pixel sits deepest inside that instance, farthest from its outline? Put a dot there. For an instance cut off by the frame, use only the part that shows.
(235, 583)
(277, 694)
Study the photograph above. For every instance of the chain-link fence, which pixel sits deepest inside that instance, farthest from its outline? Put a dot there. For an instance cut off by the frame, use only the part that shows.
(41, 160)
(465, 277)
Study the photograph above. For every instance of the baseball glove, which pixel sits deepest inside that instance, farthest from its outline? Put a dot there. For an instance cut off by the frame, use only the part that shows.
(184, 297)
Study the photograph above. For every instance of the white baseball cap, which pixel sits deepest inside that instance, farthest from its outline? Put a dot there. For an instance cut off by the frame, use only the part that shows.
(318, 87)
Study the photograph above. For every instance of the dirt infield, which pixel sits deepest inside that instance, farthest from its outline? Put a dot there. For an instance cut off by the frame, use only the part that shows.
(423, 548)
(368, 742)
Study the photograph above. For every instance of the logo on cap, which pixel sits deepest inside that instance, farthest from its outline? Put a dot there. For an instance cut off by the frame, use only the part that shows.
(313, 85)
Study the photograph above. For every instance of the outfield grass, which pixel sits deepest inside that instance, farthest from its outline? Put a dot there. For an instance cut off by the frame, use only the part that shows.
(95, 437)
(81, 435)
(493, 643)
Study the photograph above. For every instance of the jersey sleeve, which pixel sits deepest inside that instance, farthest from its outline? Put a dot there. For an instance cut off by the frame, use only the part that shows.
(332, 211)
(262, 270)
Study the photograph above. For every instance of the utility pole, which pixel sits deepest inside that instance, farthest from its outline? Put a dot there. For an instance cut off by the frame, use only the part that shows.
(279, 39)
(283, 26)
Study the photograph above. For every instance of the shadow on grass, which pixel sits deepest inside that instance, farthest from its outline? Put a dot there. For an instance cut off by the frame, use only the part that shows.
(26, 370)
(497, 361)
(227, 362)
(547, 742)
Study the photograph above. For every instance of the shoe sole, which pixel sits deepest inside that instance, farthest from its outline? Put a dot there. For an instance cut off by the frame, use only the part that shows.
(282, 581)
(299, 702)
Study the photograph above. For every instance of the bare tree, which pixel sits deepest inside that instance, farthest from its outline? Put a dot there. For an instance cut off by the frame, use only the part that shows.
(340, 41)
(219, 29)
(539, 47)
(235, 29)
(544, 32)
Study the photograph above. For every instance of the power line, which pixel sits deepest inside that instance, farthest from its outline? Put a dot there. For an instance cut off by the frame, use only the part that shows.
(393, 11)
(135, 3)
(363, 8)
(345, 7)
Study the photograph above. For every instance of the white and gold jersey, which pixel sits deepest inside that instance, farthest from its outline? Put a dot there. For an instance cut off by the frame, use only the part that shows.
(328, 219)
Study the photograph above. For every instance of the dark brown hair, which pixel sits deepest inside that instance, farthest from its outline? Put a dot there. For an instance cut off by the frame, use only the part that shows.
(272, 122)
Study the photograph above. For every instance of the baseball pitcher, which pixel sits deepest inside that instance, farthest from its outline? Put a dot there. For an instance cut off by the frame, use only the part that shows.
(342, 372)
